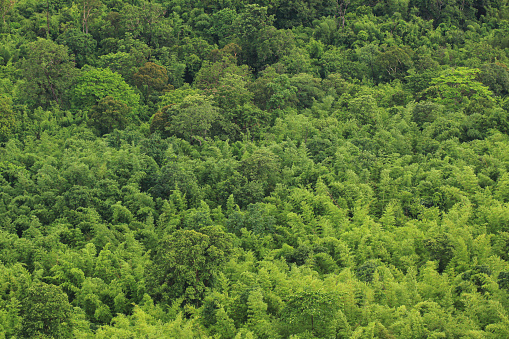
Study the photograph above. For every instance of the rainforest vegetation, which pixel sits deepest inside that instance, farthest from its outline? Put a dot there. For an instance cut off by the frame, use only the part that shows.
(254, 169)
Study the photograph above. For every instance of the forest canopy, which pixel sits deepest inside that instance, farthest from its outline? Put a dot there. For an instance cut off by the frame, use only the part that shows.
(254, 169)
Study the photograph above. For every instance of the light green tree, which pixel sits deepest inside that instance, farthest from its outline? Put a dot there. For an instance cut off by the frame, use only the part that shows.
(192, 119)
(311, 311)
(457, 87)
(95, 84)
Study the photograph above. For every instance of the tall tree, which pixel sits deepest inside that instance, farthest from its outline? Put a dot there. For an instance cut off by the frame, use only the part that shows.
(457, 87)
(342, 7)
(49, 71)
(260, 41)
(88, 8)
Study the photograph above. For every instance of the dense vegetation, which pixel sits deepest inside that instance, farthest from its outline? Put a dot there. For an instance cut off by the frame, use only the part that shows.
(254, 169)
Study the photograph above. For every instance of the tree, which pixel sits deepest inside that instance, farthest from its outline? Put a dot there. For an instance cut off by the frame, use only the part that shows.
(426, 112)
(221, 29)
(88, 7)
(95, 84)
(192, 119)
(186, 262)
(336, 60)
(122, 63)
(212, 72)
(193, 51)
(178, 95)
(161, 120)
(51, 72)
(299, 60)
(175, 177)
(46, 312)
(145, 21)
(311, 311)
(440, 249)
(457, 87)
(342, 7)
(294, 13)
(124, 55)
(364, 110)
(231, 92)
(151, 77)
(108, 114)
(262, 166)
(239, 115)
(282, 92)
(327, 31)
(496, 77)
(368, 54)
(80, 44)
(261, 42)
(395, 61)
(308, 89)
(258, 320)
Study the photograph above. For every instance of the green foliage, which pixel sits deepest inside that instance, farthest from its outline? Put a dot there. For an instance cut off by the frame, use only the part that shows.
(262, 166)
(177, 96)
(151, 77)
(192, 119)
(261, 43)
(281, 92)
(457, 87)
(49, 72)
(221, 28)
(394, 61)
(108, 114)
(95, 84)
(46, 312)
(496, 77)
(80, 44)
(7, 119)
(123, 63)
(313, 169)
(186, 261)
(310, 311)
(211, 73)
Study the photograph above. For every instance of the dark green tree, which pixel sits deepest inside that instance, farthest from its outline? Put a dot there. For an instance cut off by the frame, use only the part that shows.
(151, 77)
(46, 312)
(186, 261)
(496, 77)
(260, 41)
(82, 45)
(108, 114)
(50, 73)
